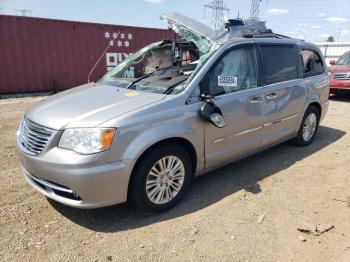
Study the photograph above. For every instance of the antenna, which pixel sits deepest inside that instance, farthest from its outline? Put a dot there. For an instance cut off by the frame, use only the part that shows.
(254, 10)
(217, 14)
(111, 43)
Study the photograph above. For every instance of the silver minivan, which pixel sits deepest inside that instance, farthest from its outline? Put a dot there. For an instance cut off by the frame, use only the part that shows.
(171, 111)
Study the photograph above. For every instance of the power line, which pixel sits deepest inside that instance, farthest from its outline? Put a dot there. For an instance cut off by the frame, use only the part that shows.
(130, 12)
(23, 12)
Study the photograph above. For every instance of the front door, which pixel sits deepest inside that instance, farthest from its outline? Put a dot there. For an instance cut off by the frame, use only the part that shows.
(232, 82)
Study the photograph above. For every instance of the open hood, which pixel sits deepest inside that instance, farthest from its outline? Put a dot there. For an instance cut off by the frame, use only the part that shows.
(201, 35)
(205, 37)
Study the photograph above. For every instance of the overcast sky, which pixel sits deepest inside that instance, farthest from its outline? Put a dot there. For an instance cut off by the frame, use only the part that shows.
(312, 20)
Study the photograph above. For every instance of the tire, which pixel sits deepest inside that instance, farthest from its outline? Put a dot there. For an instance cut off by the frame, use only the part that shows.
(151, 199)
(312, 115)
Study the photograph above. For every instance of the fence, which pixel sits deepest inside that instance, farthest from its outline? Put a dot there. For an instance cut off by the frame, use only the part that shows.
(333, 50)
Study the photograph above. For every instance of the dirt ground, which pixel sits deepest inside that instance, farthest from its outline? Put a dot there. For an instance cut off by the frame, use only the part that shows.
(216, 221)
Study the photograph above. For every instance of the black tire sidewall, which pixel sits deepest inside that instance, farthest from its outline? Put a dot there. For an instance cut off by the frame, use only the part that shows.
(138, 195)
(300, 139)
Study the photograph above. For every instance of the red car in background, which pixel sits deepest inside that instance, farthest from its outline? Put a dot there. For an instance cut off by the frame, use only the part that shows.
(339, 74)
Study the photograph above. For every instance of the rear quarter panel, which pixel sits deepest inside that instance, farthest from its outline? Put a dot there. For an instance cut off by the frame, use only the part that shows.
(317, 86)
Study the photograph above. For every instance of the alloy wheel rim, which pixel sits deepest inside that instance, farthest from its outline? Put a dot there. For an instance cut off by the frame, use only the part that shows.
(165, 180)
(309, 127)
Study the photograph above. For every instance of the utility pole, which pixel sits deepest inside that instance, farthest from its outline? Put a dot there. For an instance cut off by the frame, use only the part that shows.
(339, 33)
(254, 10)
(23, 12)
(217, 13)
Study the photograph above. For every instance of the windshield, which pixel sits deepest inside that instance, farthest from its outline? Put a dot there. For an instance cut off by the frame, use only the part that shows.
(163, 67)
(168, 66)
(344, 59)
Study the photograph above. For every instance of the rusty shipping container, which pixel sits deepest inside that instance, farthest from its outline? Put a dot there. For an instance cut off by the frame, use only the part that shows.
(39, 55)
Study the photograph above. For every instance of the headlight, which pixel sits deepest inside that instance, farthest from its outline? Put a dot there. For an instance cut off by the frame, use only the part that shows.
(87, 140)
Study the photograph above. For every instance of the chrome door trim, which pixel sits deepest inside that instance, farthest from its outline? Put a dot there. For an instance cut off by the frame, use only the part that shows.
(252, 129)
(237, 134)
(279, 121)
(289, 117)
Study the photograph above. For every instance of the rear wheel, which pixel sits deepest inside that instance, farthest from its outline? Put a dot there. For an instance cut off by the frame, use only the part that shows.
(161, 178)
(308, 127)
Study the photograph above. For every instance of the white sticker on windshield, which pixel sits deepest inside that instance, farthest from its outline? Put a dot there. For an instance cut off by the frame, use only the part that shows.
(227, 80)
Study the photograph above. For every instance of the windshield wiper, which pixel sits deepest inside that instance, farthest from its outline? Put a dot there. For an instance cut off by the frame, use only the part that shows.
(164, 69)
(171, 88)
(139, 79)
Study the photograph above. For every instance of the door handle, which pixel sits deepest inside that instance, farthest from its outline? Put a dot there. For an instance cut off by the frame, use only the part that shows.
(271, 96)
(255, 100)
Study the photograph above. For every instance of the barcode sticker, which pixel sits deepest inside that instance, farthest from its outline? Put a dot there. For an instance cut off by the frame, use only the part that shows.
(227, 80)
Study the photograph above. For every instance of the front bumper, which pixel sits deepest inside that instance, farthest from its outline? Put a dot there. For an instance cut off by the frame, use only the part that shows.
(343, 85)
(82, 181)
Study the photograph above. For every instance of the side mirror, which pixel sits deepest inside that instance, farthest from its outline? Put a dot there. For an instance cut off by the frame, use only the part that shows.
(332, 62)
(212, 113)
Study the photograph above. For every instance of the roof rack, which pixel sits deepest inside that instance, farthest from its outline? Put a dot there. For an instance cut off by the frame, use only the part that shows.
(251, 29)
(267, 34)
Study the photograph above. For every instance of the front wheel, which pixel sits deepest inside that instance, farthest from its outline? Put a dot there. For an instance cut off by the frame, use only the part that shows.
(161, 178)
(308, 127)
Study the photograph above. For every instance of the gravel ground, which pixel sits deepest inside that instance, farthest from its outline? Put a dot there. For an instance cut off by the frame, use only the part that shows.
(247, 211)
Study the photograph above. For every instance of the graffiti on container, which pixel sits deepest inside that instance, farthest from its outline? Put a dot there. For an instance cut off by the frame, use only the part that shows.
(119, 40)
(113, 59)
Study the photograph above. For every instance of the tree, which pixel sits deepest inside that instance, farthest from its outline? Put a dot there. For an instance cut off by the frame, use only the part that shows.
(330, 39)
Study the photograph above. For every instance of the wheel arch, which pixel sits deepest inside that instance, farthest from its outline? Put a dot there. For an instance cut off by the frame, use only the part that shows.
(183, 142)
(317, 106)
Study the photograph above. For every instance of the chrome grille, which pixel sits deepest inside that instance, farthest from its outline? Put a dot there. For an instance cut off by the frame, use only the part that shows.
(341, 76)
(34, 137)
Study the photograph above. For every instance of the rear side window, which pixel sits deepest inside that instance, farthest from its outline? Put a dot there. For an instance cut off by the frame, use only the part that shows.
(313, 64)
(279, 63)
